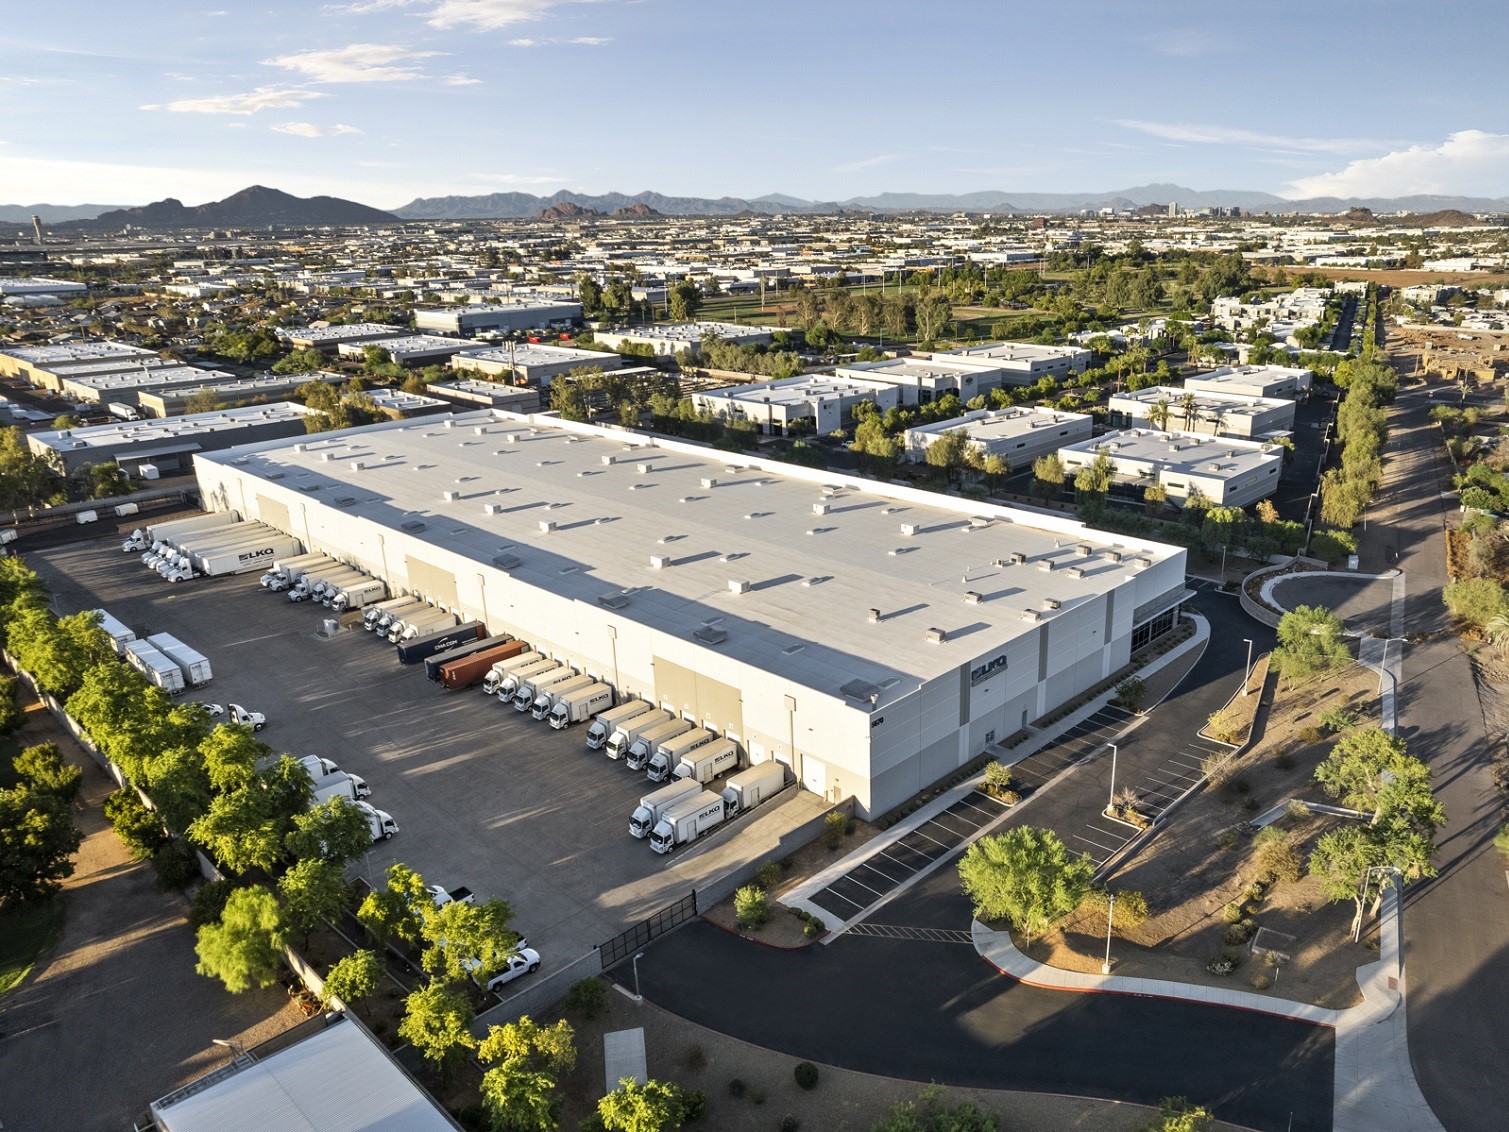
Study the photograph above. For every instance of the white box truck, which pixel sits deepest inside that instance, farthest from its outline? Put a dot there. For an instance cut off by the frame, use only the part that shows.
(421, 625)
(666, 755)
(650, 741)
(288, 569)
(748, 788)
(314, 583)
(708, 762)
(351, 787)
(545, 696)
(652, 806)
(194, 665)
(514, 677)
(144, 536)
(500, 671)
(116, 630)
(686, 821)
(627, 733)
(358, 596)
(529, 688)
(374, 616)
(601, 728)
(379, 822)
(573, 707)
(154, 666)
(314, 766)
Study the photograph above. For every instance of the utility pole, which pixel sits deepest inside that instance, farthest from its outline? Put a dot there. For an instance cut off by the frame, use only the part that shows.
(1105, 968)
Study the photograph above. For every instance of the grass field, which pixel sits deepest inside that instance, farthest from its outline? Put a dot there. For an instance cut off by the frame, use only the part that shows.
(26, 934)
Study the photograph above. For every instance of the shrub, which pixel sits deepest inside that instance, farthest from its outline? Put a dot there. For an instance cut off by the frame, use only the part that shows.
(1249, 804)
(137, 827)
(1238, 933)
(176, 864)
(1311, 735)
(1339, 719)
(812, 929)
(736, 1088)
(1222, 964)
(1261, 982)
(806, 1074)
(768, 875)
(1217, 767)
(1501, 840)
(587, 997)
(693, 1104)
(1229, 839)
(750, 908)
(1285, 761)
(1476, 601)
(1276, 859)
(756, 1095)
(1130, 692)
(1296, 812)
(835, 825)
(11, 714)
(997, 778)
(1253, 893)
(1232, 912)
(1241, 786)
(208, 902)
(43, 766)
(1131, 907)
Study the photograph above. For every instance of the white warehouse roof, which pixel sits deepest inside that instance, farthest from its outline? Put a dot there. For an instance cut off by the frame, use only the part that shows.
(773, 565)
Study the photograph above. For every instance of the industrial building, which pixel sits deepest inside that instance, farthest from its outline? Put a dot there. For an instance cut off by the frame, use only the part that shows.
(1229, 473)
(920, 380)
(1219, 414)
(399, 405)
(872, 637)
(26, 286)
(1024, 363)
(410, 350)
(328, 338)
(816, 403)
(474, 394)
(32, 363)
(126, 388)
(165, 445)
(676, 337)
(501, 318)
(1254, 381)
(1018, 435)
(530, 363)
(173, 402)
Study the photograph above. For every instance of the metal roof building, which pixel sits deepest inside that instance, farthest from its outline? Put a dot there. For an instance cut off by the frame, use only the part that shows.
(871, 636)
(1018, 435)
(171, 402)
(1218, 414)
(28, 362)
(1024, 363)
(327, 338)
(1230, 473)
(532, 363)
(1253, 381)
(510, 314)
(166, 444)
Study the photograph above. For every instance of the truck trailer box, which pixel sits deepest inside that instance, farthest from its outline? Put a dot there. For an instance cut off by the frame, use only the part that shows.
(501, 669)
(377, 617)
(143, 537)
(524, 698)
(708, 762)
(748, 788)
(339, 785)
(241, 559)
(567, 708)
(286, 571)
(154, 666)
(467, 670)
(194, 665)
(212, 542)
(599, 730)
(650, 741)
(116, 630)
(686, 821)
(433, 664)
(357, 595)
(420, 623)
(418, 648)
(652, 806)
(627, 733)
(516, 676)
(666, 755)
(545, 698)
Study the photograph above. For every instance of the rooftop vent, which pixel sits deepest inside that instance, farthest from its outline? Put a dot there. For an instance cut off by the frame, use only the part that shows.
(972, 598)
(450, 496)
(709, 482)
(1031, 615)
(492, 508)
(613, 601)
(1051, 603)
(711, 635)
(506, 561)
(357, 465)
(659, 561)
(1075, 571)
(1017, 557)
(1046, 565)
(936, 636)
(819, 508)
(738, 585)
(413, 525)
(547, 526)
(909, 529)
(979, 522)
(345, 500)
(874, 615)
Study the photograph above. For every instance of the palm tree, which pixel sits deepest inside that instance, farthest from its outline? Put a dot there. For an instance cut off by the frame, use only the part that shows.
(1187, 408)
(1157, 416)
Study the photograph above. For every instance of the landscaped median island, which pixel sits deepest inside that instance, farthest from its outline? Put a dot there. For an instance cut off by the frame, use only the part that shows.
(1259, 880)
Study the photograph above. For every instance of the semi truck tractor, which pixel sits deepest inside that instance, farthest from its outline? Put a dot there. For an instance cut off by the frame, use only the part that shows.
(315, 583)
(433, 664)
(544, 698)
(523, 699)
(748, 788)
(116, 630)
(516, 676)
(195, 666)
(415, 650)
(629, 732)
(652, 806)
(501, 669)
(647, 744)
(238, 559)
(144, 536)
(379, 822)
(708, 762)
(378, 617)
(665, 756)
(573, 707)
(154, 666)
(465, 671)
(686, 821)
(601, 728)
(358, 595)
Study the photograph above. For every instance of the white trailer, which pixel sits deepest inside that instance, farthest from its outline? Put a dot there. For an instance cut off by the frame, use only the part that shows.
(358, 596)
(516, 676)
(686, 821)
(663, 760)
(420, 624)
(144, 536)
(194, 665)
(351, 787)
(748, 788)
(238, 559)
(651, 741)
(287, 571)
(374, 615)
(499, 672)
(524, 698)
(627, 733)
(601, 728)
(117, 631)
(154, 666)
(545, 697)
(708, 762)
(315, 584)
(652, 806)
(573, 707)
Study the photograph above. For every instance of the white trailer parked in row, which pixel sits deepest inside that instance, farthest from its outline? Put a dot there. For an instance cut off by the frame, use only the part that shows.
(378, 616)
(546, 695)
(686, 821)
(629, 732)
(708, 762)
(748, 788)
(154, 666)
(666, 755)
(572, 707)
(351, 787)
(601, 729)
(194, 665)
(287, 571)
(500, 671)
(116, 630)
(144, 536)
(651, 741)
(652, 806)
(514, 677)
(358, 595)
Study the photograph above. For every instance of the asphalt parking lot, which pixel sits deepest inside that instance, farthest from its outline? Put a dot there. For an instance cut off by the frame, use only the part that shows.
(483, 796)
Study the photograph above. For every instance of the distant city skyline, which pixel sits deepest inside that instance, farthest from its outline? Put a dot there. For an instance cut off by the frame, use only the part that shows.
(383, 101)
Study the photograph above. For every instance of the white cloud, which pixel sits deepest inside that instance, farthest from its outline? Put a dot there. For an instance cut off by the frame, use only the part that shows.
(263, 98)
(551, 41)
(358, 63)
(1468, 163)
(310, 130)
(490, 15)
(868, 163)
(1193, 134)
(518, 178)
(1186, 42)
(460, 80)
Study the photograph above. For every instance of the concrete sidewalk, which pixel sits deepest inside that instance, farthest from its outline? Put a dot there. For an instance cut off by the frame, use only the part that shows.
(1374, 1087)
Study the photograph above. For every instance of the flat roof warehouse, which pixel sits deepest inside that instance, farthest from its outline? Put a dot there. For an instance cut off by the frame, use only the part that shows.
(773, 565)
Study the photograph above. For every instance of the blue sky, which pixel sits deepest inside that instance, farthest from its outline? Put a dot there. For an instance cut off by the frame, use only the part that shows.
(126, 101)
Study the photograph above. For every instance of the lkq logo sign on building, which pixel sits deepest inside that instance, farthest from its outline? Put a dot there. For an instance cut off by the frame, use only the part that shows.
(983, 672)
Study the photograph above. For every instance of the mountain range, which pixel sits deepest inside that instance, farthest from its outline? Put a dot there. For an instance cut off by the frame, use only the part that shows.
(258, 206)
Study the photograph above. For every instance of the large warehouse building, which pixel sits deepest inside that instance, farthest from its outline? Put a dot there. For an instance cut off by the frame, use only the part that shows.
(872, 637)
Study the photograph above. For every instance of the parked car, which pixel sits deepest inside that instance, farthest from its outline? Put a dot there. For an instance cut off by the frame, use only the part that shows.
(525, 961)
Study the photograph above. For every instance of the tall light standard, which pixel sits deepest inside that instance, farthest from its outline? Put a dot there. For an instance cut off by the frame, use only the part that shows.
(1111, 804)
(1105, 968)
(1247, 672)
(637, 996)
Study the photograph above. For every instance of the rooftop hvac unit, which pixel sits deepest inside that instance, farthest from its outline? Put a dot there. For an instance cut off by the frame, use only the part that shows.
(874, 615)
(547, 526)
(326, 457)
(610, 459)
(711, 635)
(1114, 555)
(936, 636)
(659, 561)
(642, 469)
(492, 508)
(505, 561)
(1083, 550)
(979, 522)
(450, 496)
(1075, 572)
(1017, 558)
(709, 482)
(738, 585)
(345, 500)
(1046, 565)
(413, 525)
(1031, 615)
(1051, 603)
(300, 447)
(480, 430)
(972, 598)
(510, 438)
(909, 529)
(1142, 563)
(819, 508)
(447, 423)
(613, 601)
(357, 465)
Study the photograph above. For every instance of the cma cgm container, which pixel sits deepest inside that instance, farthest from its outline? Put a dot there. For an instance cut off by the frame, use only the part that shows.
(463, 673)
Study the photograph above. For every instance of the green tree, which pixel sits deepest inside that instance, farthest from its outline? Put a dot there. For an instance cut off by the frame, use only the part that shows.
(313, 891)
(1026, 876)
(468, 940)
(590, 294)
(139, 828)
(37, 843)
(685, 301)
(1096, 477)
(353, 977)
(1176, 1114)
(26, 479)
(106, 480)
(1310, 642)
(246, 946)
(179, 788)
(519, 1090)
(395, 911)
(933, 314)
(300, 361)
(334, 831)
(42, 768)
(949, 452)
(230, 753)
(1477, 601)
(929, 1113)
(437, 1023)
(1048, 475)
(655, 1106)
(247, 828)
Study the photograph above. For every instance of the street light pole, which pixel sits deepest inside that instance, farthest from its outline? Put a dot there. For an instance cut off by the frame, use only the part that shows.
(637, 996)
(1247, 672)
(1105, 968)
(1111, 804)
